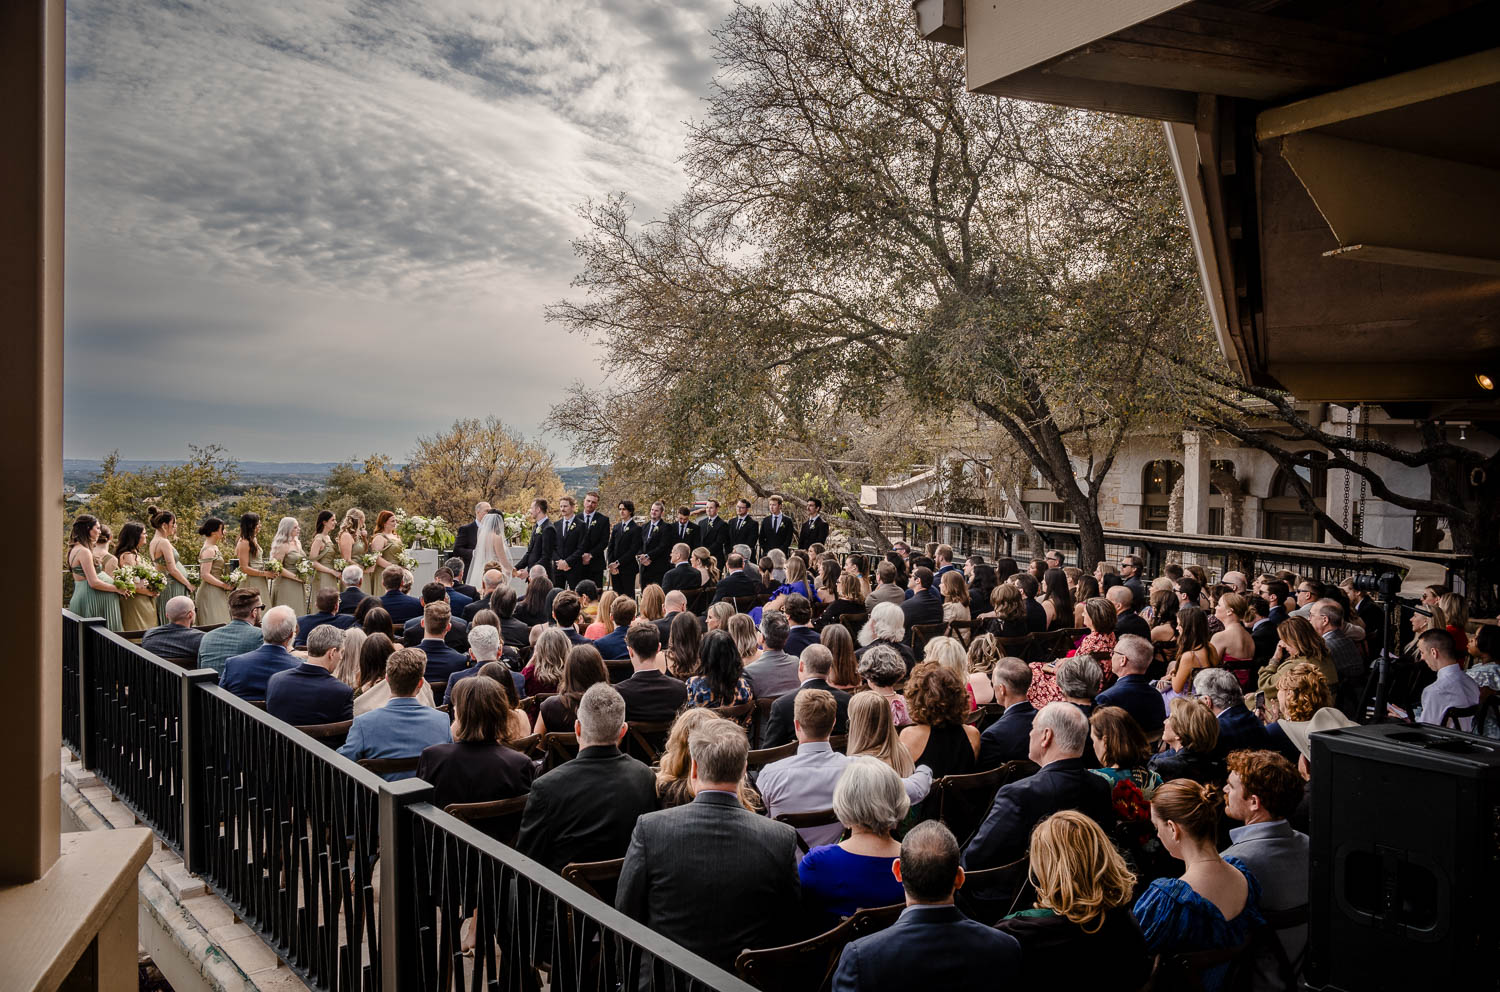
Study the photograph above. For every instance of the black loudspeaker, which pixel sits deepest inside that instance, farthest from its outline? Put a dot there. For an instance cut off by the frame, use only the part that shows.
(1405, 887)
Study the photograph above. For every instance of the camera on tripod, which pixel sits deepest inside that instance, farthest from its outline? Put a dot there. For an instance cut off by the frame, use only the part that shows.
(1388, 584)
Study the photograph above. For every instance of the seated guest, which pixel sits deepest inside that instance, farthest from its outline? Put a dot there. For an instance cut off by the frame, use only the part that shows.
(672, 785)
(682, 574)
(583, 670)
(847, 601)
(932, 944)
(176, 638)
(1263, 790)
(925, 605)
(1190, 744)
(796, 583)
(722, 681)
(952, 655)
(1007, 616)
(1301, 691)
(872, 733)
(1452, 689)
(1059, 735)
(882, 669)
(1036, 614)
(403, 727)
(442, 661)
(475, 767)
(1099, 617)
(1239, 729)
(376, 620)
(955, 595)
(535, 608)
(1080, 925)
(612, 645)
(548, 658)
(855, 873)
(396, 602)
(566, 607)
(484, 647)
(1215, 904)
(371, 690)
(1124, 759)
(352, 577)
(886, 590)
(804, 782)
(603, 617)
(673, 603)
(799, 614)
(682, 861)
(1078, 680)
(1134, 691)
(519, 723)
(585, 810)
(326, 603)
(684, 640)
(1297, 641)
(813, 669)
(1128, 619)
(938, 736)
(490, 586)
(775, 671)
(414, 630)
(1326, 719)
(651, 695)
(458, 599)
(1008, 738)
(239, 635)
(310, 694)
(246, 674)
(736, 582)
(716, 617)
(887, 625)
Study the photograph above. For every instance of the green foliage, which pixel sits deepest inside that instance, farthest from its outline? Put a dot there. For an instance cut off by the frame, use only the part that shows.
(367, 483)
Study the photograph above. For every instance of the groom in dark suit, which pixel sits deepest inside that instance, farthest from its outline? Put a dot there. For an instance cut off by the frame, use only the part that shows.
(713, 533)
(588, 561)
(624, 545)
(569, 528)
(543, 547)
(744, 529)
(468, 538)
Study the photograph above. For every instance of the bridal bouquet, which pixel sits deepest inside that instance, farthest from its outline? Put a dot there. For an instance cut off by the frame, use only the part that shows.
(431, 532)
(235, 579)
(124, 580)
(406, 561)
(305, 568)
(339, 564)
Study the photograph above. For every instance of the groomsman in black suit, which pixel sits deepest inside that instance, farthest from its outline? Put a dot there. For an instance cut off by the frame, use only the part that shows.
(569, 527)
(468, 537)
(775, 529)
(588, 561)
(814, 528)
(744, 529)
(656, 546)
(624, 545)
(684, 531)
(713, 533)
(543, 547)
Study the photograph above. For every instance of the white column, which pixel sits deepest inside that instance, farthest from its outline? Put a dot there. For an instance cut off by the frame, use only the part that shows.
(1194, 483)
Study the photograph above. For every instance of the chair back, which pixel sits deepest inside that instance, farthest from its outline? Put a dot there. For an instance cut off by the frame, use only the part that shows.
(964, 800)
(595, 877)
(532, 705)
(854, 623)
(1453, 714)
(647, 740)
(966, 630)
(740, 713)
(388, 766)
(527, 745)
(1010, 884)
(760, 758)
(744, 604)
(439, 689)
(1048, 645)
(329, 734)
(812, 818)
(485, 816)
(809, 965)
(918, 634)
(1185, 971)
(558, 748)
(763, 706)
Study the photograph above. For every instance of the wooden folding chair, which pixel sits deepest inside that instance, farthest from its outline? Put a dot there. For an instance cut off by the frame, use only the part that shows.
(964, 800)
(526, 745)
(919, 634)
(558, 748)
(764, 756)
(647, 740)
(592, 876)
(388, 766)
(812, 818)
(809, 965)
(328, 734)
(483, 815)
(854, 623)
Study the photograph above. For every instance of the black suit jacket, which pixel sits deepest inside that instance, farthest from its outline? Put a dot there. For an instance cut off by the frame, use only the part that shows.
(343, 621)
(542, 550)
(657, 544)
(781, 538)
(812, 532)
(474, 772)
(593, 539)
(1008, 738)
(923, 607)
(586, 809)
(412, 633)
(624, 545)
(1265, 637)
(934, 947)
(681, 576)
(736, 584)
(308, 694)
(651, 697)
(1131, 622)
(713, 534)
(744, 530)
(570, 548)
(464, 544)
(780, 729)
(350, 598)
(681, 862)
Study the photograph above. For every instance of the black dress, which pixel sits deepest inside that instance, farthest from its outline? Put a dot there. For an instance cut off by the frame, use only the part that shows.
(947, 752)
(1056, 952)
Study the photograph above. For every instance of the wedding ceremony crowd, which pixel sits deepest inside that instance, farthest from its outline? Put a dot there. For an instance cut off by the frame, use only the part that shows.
(1046, 775)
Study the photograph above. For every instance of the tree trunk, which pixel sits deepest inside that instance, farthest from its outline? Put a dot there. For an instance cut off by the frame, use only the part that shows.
(1090, 530)
(1034, 542)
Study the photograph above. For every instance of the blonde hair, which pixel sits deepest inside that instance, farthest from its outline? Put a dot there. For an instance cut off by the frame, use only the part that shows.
(653, 602)
(723, 610)
(983, 653)
(1195, 724)
(796, 569)
(1455, 610)
(1077, 872)
(950, 653)
(742, 629)
(550, 656)
(354, 519)
(1235, 604)
(1306, 688)
(872, 731)
(703, 559)
(604, 615)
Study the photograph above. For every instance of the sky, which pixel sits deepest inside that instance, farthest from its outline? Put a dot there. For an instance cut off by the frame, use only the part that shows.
(314, 229)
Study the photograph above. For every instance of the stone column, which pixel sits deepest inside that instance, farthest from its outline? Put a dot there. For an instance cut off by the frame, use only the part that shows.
(1195, 467)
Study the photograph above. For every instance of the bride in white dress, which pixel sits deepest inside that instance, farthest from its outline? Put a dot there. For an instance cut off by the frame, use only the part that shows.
(490, 544)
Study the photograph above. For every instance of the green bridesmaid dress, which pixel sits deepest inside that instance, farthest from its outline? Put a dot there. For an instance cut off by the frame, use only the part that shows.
(389, 553)
(290, 592)
(137, 612)
(259, 583)
(322, 580)
(174, 588)
(212, 602)
(90, 602)
(357, 549)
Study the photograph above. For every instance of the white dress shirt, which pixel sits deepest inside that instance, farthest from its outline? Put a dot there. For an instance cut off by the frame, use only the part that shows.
(1452, 688)
(805, 782)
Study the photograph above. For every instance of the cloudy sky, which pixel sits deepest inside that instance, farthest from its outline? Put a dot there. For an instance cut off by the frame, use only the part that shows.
(312, 229)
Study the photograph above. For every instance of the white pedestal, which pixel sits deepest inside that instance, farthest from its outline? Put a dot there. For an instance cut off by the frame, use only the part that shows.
(427, 564)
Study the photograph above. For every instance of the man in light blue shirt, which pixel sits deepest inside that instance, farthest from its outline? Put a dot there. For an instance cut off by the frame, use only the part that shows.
(239, 635)
(804, 783)
(1262, 791)
(1453, 689)
(403, 727)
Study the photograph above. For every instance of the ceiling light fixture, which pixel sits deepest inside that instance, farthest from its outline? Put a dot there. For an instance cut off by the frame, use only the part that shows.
(1485, 382)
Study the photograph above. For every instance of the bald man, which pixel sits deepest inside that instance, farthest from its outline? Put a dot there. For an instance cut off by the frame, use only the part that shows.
(176, 639)
(246, 674)
(1127, 620)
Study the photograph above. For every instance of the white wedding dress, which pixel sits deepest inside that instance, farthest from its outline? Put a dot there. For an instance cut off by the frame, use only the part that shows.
(490, 545)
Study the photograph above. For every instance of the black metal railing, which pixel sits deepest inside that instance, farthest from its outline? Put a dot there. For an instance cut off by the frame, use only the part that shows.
(132, 703)
(1216, 554)
(71, 704)
(292, 836)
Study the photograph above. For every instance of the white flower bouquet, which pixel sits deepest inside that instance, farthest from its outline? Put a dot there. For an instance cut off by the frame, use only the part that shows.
(235, 579)
(305, 568)
(149, 574)
(194, 574)
(367, 561)
(124, 580)
(517, 528)
(406, 561)
(274, 566)
(339, 564)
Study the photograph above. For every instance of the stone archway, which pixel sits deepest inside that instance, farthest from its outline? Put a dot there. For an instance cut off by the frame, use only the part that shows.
(1234, 502)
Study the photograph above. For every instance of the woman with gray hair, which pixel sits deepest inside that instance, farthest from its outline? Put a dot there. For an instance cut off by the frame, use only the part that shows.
(887, 625)
(1079, 679)
(881, 668)
(838, 879)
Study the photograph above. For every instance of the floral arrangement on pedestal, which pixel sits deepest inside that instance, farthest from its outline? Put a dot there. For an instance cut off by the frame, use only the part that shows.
(517, 528)
(424, 532)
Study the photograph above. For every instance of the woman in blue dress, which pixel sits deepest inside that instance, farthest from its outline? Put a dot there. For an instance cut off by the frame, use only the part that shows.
(837, 879)
(1216, 902)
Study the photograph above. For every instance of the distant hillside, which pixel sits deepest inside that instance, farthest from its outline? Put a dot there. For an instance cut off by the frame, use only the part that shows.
(79, 471)
(581, 478)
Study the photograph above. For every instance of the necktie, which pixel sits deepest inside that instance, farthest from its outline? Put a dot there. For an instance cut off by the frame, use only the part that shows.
(776, 523)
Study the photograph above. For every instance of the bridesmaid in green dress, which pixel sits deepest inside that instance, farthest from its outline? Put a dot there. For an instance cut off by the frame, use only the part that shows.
(212, 597)
(289, 588)
(324, 550)
(107, 561)
(137, 612)
(247, 550)
(386, 546)
(353, 541)
(94, 595)
(164, 557)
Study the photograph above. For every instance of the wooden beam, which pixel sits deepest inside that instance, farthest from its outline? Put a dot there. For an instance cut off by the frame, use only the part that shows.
(1416, 259)
(1042, 86)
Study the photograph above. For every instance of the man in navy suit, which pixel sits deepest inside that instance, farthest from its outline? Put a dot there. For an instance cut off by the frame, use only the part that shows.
(744, 529)
(309, 694)
(327, 602)
(775, 528)
(814, 529)
(799, 612)
(612, 645)
(246, 674)
(398, 604)
(1134, 692)
(735, 582)
(457, 600)
(1263, 633)
(713, 533)
(543, 546)
(442, 661)
(352, 595)
(682, 575)
(932, 944)
(403, 727)
(943, 558)
(458, 570)
(1008, 738)
(568, 554)
(1277, 594)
